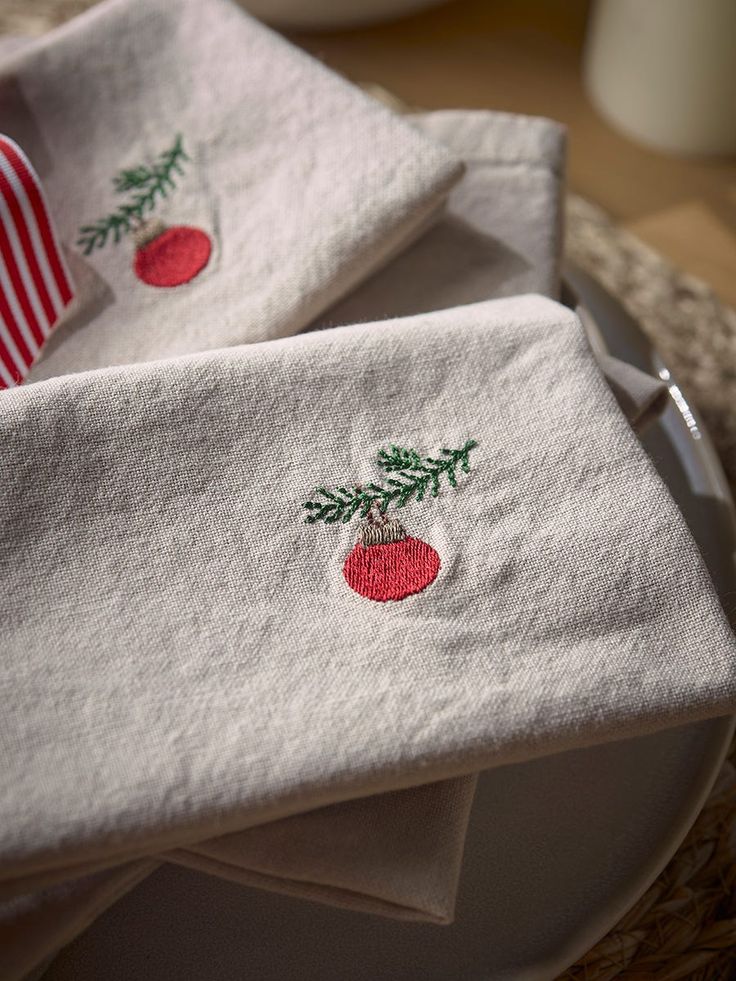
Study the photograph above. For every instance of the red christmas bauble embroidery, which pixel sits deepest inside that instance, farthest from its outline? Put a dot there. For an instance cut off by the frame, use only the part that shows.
(173, 257)
(388, 564)
(391, 571)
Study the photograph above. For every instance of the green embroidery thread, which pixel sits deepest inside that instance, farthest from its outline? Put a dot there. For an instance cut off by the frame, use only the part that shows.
(148, 185)
(412, 477)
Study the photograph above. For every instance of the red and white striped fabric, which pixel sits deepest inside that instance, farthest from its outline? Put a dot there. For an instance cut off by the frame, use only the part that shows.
(35, 285)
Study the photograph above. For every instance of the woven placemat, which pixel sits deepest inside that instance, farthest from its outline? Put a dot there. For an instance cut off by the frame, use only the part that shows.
(685, 924)
(694, 331)
(684, 927)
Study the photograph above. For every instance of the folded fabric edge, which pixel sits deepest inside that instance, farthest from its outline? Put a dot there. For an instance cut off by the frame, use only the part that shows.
(530, 307)
(59, 913)
(314, 891)
(50, 871)
(422, 830)
(50, 876)
(512, 139)
(31, 934)
(390, 246)
(641, 396)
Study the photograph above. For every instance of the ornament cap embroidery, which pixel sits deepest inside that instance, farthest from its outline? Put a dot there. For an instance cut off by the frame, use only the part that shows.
(381, 532)
(386, 563)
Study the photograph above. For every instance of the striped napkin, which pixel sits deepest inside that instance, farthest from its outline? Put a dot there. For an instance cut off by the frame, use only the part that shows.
(35, 285)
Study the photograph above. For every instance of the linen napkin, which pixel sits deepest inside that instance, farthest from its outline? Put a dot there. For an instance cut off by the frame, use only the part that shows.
(212, 184)
(181, 721)
(640, 396)
(409, 842)
(501, 233)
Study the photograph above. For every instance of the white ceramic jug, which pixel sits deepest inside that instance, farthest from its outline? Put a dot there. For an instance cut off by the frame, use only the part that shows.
(664, 71)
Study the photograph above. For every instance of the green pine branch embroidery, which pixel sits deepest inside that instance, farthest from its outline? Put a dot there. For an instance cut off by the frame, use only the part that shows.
(413, 476)
(148, 185)
(397, 458)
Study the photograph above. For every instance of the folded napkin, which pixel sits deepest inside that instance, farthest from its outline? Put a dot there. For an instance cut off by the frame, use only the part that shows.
(212, 183)
(409, 842)
(213, 662)
(501, 233)
(396, 854)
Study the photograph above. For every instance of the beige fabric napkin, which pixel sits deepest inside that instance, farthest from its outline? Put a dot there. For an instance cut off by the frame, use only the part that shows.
(410, 842)
(396, 854)
(128, 490)
(280, 185)
(501, 234)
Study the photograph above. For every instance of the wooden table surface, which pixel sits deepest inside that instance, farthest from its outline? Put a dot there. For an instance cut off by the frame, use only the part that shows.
(522, 56)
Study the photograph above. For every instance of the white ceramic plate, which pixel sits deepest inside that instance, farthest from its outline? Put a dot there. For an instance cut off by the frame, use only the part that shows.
(558, 849)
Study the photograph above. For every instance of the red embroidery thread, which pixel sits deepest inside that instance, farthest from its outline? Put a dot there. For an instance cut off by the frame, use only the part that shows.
(393, 571)
(174, 257)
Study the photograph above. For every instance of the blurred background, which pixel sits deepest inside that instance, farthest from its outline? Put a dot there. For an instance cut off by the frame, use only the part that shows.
(647, 91)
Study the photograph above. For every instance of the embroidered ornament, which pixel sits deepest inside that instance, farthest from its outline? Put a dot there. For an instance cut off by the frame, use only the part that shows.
(169, 256)
(386, 563)
(164, 256)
